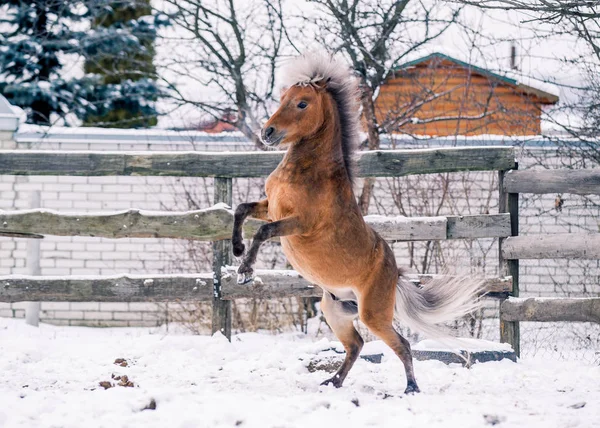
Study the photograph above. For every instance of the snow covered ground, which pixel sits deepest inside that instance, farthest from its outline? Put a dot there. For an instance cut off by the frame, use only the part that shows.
(49, 377)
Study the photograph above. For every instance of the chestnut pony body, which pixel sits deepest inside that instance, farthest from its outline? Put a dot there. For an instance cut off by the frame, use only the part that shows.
(311, 206)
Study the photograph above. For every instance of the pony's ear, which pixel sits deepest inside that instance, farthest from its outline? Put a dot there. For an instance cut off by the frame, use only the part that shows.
(282, 91)
(323, 83)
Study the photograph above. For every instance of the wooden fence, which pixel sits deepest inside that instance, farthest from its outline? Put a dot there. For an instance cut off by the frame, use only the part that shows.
(555, 246)
(214, 224)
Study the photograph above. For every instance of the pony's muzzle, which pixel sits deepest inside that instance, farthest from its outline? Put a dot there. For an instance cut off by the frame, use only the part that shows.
(267, 132)
(271, 137)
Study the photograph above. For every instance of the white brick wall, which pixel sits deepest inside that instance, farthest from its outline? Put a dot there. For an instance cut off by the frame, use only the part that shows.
(92, 313)
(6, 140)
(420, 196)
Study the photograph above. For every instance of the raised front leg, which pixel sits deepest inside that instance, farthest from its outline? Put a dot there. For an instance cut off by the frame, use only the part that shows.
(284, 227)
(257, 210)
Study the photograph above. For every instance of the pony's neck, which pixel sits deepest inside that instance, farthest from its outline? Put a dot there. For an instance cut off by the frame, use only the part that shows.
(319, 156)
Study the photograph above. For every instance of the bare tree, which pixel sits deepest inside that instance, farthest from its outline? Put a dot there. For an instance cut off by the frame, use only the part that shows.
(544, 10)
(578, 19)
(223, 58)
(377, 36)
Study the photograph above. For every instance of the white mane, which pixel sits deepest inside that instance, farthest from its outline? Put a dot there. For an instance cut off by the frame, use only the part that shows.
(312, 67)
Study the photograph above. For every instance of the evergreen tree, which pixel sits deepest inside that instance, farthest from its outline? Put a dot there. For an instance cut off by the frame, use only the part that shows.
(42, 39)
(33, 35)
(119, 59)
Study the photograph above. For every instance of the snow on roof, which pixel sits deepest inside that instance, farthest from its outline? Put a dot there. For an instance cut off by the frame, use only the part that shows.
(58, 134)
(9, 115)
(5, 107)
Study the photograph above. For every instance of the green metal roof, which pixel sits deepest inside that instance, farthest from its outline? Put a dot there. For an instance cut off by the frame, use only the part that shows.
(526, 88)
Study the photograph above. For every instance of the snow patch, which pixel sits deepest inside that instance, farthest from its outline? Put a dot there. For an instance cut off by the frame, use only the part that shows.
(220, 206)
(131, 211)
(374, 218)
(50, 377)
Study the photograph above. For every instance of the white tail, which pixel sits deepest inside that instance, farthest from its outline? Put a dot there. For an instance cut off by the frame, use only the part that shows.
(440, 300)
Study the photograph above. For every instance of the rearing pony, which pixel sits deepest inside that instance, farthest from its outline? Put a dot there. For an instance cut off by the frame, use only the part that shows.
(311, 206)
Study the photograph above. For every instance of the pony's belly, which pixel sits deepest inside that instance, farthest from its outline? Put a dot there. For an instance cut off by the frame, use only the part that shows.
(315, 266)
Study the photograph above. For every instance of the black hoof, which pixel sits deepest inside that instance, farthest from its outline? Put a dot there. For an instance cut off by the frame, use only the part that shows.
(412, 388)
(238, 249)
(244, 278)
(245, 275)
(335, 381)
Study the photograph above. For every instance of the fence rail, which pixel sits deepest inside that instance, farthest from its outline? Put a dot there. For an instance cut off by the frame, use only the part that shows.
(576, 181)
(551, 309)
(381, 163)
(198, 287)
(555, 246)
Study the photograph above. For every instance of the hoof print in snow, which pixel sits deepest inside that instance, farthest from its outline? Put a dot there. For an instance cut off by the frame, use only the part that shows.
(579, 405)
(151, 405)
(493, 419)
(355, 402)
(121, 362)
(105, 384)
(238, 423)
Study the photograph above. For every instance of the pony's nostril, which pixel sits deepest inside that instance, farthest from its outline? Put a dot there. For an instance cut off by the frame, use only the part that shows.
(269, 131)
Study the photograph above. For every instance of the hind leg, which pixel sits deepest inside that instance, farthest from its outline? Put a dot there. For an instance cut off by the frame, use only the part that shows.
(340, 316)
(377, 313)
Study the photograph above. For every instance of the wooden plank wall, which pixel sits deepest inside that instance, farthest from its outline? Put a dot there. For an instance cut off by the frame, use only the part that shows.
(507, 112)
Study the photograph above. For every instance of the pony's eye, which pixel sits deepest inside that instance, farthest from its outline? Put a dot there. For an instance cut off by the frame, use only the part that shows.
(302, 105)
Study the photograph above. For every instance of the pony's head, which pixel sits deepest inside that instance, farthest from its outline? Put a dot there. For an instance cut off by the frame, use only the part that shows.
(314, 84)
(302, 112)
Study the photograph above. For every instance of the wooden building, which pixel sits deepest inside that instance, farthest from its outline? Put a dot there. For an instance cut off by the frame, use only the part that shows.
(439, 96)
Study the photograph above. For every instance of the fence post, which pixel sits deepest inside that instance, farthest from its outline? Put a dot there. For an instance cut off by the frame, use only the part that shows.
(509, 202)
(222, 256)
(32, 311)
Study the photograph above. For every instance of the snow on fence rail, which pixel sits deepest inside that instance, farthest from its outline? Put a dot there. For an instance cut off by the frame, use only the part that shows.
(215, 224)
